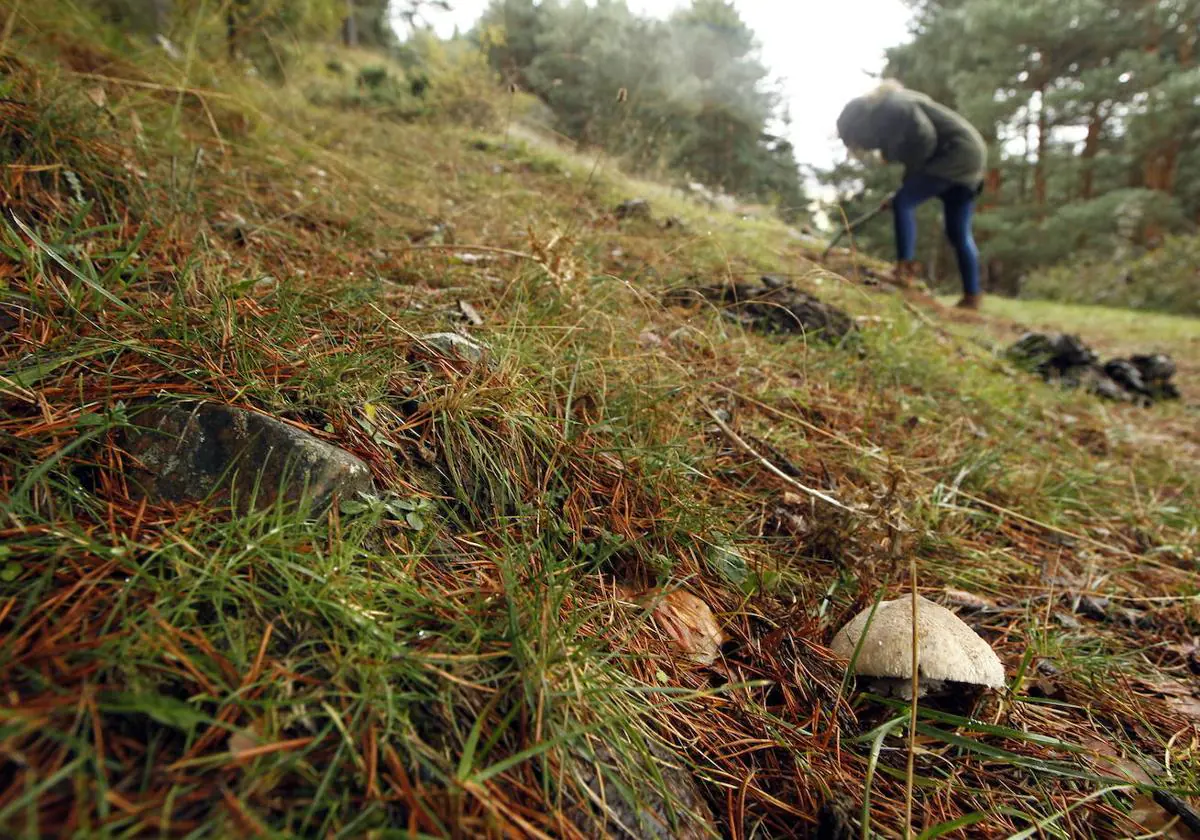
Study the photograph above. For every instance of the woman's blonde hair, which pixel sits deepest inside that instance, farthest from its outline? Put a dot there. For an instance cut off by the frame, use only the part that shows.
(883, 89)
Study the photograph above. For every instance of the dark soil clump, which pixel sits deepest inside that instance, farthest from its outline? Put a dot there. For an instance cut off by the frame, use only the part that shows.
(1067, 361)
(770, 306)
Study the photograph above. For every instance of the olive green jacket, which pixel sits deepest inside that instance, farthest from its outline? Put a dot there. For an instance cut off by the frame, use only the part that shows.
(911, 129)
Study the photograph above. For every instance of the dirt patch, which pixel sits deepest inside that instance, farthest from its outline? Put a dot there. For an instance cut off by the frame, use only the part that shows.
(770, 306)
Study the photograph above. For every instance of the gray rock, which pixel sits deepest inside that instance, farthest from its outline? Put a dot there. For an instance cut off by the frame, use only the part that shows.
(173, 52)
(453, 344)
(204, 451)
(634, 208)
(686, 337)
(613, 809)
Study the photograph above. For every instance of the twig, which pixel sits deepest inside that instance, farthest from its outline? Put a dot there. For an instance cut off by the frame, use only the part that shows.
(538, 261)
(816, 494)
(197, 92)
(486, 248)
(850, 227)
(8, 26)
(1172, 804)
(875, 454)
(33, 167)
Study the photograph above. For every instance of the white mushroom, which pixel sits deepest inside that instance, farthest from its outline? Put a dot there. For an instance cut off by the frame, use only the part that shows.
(948, 651)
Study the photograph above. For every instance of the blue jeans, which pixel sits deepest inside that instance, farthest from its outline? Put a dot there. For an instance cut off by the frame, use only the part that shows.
(958, 202)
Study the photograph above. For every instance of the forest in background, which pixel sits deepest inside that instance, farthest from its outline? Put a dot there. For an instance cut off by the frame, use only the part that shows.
(687, 96)
(1091, 109)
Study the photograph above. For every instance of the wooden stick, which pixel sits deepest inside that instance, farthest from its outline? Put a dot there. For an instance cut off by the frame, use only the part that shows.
(816, 494)
(856, 224)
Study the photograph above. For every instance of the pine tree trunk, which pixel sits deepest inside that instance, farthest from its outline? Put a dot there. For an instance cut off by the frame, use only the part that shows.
(232, 31)
(1091, 145)
(350, 26)
(993, 183)
(1039, 171)
(1159, 161)
(1023, 182)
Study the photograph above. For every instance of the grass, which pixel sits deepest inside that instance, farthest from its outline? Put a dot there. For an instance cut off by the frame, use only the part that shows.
(1109, 328)
(493, 667)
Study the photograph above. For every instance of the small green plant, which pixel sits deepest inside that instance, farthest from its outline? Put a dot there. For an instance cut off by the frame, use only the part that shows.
(374, 77)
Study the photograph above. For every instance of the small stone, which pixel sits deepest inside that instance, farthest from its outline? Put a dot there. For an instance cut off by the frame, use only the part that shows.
(1067, 620)
(1093, 607)
(205, 451)
(685, 337)
(1047, 668)
(634, 208)
(173, 52)
(453, 344)
(470, 313)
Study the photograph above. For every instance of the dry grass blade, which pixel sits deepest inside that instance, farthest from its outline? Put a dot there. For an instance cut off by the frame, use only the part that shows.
(816, 494)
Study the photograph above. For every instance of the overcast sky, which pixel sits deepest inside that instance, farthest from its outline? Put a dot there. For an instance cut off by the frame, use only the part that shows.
(821, 49)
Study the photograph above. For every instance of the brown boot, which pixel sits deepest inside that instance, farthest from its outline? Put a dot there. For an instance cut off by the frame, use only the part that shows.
(970, 302)
(906, 273)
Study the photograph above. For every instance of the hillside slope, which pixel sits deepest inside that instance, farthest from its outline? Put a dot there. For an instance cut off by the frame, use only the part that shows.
(481, 647)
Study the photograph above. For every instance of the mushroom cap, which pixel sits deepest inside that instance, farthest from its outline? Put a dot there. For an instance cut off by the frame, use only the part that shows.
(947, 649)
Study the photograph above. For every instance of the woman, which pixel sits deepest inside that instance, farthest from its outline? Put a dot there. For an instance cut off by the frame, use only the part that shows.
(943, 156)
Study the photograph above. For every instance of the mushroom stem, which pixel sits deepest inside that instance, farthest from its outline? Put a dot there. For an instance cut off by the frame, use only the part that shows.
(912, 722)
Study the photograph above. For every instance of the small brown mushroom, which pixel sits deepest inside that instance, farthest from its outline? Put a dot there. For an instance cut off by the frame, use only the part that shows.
(949, 653)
